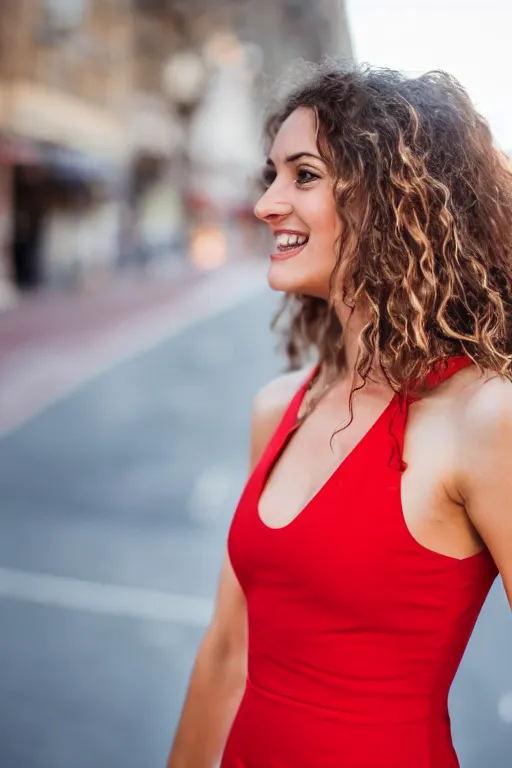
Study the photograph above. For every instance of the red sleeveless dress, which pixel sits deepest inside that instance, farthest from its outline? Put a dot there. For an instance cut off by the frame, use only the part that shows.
(355, 629)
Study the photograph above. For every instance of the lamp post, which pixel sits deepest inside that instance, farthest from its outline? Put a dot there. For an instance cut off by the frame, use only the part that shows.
(183, 80)
(224, 139)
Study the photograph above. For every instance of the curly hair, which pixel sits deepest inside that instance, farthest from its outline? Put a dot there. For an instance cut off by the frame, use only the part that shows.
(425, 202)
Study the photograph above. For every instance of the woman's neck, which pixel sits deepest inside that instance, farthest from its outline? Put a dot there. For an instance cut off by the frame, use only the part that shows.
(352, 323)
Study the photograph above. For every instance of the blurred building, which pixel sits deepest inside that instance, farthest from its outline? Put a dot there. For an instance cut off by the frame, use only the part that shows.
(290, 29)
(86, 135)
(97, 106)
(246, 44)
(64, 79)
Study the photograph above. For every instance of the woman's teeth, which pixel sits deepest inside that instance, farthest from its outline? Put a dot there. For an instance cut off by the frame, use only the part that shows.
(285, 241)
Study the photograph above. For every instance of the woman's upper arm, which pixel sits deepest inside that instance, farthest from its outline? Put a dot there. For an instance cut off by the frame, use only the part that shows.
(486, 471)
(228, 626)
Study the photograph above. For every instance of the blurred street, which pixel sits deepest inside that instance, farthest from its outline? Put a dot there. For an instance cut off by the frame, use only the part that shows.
(116, 503)
(131, 482)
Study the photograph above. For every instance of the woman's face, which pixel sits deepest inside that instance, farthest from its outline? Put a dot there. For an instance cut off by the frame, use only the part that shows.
(299, 208)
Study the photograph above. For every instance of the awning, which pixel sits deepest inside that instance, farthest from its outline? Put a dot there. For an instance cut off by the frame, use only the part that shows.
(47, 115)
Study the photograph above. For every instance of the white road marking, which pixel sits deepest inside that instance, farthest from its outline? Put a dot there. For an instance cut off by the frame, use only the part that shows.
(505, 707)
(107, 599)
(211, 493)
(73, 368)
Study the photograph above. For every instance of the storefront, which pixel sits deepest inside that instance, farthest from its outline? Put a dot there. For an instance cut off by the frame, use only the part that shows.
(61, 161)
(154, 191)
(14, 152)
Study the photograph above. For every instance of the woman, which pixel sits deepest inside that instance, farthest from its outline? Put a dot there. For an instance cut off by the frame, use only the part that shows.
(379, 509)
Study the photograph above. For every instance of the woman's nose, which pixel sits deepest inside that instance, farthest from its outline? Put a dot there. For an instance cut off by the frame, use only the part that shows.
(269, 208)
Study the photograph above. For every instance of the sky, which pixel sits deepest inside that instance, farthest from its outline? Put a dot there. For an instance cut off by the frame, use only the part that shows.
(470, 39)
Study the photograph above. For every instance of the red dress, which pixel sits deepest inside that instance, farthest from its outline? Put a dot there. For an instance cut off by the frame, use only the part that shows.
(355, 629)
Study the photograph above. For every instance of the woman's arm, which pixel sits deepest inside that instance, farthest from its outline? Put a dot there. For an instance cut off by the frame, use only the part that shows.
(218, 678)
(485, 456)
(217, 681)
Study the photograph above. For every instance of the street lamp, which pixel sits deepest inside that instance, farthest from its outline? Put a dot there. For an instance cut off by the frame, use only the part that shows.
(183, 79)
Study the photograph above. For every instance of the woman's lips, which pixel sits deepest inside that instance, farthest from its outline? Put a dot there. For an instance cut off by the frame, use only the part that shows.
(288, 254)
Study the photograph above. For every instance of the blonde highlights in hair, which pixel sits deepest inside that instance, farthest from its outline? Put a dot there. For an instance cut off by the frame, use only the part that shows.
(425, 202)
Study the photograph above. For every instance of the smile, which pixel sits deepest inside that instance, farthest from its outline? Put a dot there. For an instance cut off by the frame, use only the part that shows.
(288, 244)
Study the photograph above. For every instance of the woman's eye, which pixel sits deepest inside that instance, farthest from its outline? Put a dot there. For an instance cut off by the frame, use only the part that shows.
(305, 177)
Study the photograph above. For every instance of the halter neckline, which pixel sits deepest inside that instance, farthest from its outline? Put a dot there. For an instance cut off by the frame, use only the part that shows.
(441, 371)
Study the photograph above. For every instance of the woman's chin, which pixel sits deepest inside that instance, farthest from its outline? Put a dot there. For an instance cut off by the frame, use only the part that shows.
(283, 278)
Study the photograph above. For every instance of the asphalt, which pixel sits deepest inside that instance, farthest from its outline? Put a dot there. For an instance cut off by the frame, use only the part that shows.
(131, 481)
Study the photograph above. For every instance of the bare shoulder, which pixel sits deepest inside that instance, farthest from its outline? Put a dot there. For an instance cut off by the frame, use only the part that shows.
(269, 406)
(484, 426)
(276, 395)
(485, 451)
(487, 410)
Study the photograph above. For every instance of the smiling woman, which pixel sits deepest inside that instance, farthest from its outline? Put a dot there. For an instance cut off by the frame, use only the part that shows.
(377, 513)
(300, 190)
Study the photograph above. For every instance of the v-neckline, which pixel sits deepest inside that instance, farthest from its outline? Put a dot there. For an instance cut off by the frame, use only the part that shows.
(290, 427)
(277, 454)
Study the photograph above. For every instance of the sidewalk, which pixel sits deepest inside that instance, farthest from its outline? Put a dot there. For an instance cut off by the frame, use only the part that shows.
(52, 314)
(51, 343)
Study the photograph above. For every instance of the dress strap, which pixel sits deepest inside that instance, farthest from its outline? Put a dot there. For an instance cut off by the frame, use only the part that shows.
(293, 409)
(446, 368)
(441, 372)
(289, 421)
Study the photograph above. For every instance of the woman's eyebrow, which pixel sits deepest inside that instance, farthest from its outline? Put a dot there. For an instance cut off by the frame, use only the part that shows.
(294, 157)
(298, 155)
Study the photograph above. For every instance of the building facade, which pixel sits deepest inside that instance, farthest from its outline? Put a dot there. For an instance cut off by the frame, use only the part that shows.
(96, 103)
(64, 80)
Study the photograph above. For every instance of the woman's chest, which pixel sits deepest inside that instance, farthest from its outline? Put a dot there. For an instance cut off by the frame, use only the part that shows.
(389, 473)
(372, 523)
(317, 456)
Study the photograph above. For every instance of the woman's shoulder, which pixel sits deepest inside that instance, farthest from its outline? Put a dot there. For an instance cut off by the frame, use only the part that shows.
(275, 396)
(269, 407)
(482, 421)
(484, 467)
(487, 409)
